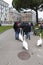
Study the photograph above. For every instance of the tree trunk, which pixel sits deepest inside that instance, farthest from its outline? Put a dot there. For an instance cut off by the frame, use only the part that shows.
(36, 15)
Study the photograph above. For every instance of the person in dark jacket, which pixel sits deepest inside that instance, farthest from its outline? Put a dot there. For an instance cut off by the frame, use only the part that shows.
(23, 26)
(16, 28)
(28, 30)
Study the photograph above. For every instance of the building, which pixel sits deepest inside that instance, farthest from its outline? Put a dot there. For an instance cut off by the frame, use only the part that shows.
(29, 16)
(13, 15)
(8, 14)
(4, 8)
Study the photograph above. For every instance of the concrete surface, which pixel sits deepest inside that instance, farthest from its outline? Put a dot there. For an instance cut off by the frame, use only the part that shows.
(9, 49)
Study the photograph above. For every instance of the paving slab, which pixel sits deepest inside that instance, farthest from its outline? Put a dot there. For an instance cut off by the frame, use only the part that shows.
(10, 48)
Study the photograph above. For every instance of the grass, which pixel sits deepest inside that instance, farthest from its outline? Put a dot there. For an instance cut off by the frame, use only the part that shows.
(4, 28)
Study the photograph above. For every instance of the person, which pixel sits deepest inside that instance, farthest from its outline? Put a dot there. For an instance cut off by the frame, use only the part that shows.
(23, 26)
(35, 31)
(28, 30)
(16, 28)
(41, 27)
(0, 24)
(32, 26)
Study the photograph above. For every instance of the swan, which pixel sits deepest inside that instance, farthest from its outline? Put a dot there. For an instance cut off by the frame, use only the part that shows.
(39, 42)
(20, 35)
(25, 45)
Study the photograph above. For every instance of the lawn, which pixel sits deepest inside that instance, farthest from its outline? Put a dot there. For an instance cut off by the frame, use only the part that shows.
(4, 28)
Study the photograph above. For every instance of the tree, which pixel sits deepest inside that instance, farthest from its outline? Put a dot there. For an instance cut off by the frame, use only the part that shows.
(28, 4)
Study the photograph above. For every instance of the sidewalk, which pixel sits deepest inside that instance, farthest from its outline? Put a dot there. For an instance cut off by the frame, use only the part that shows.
(10, 48)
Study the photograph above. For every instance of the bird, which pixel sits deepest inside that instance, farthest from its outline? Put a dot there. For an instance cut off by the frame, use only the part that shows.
(20, 35)
(25, 44)
(39, 42)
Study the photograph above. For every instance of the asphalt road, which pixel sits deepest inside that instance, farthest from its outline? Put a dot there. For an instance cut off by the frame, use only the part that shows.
(10, 48)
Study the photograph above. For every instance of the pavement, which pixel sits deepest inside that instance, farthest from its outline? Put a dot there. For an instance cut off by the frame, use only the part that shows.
(10, 48)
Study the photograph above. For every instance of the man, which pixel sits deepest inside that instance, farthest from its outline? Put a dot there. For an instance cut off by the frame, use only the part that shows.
(16, 28)
(28, 30)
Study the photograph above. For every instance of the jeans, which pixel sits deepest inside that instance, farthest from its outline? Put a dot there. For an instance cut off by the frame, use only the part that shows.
(16, 35)
(28, 35)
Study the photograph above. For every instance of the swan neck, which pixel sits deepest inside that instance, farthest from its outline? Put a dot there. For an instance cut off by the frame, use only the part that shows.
(40, 36)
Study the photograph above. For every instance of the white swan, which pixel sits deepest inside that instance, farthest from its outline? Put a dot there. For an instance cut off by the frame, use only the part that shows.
(25, 45)
(20, 35)
(39, 42)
